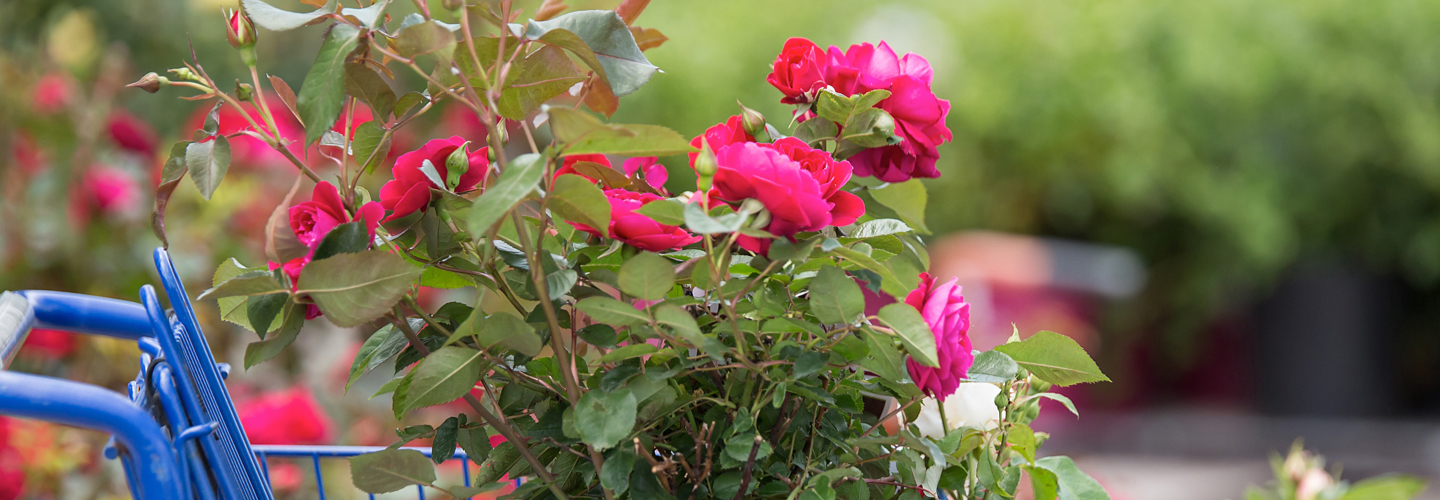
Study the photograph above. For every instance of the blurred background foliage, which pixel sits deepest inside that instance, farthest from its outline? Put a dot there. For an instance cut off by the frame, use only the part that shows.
(1228, 142)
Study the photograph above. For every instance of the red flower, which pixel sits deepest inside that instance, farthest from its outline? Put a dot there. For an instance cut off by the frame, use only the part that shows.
(795, 199)
(639, 230)
(919, 114)
(12, 470)
(410, 191)
(832, 176)
(655, 173)
(52, 93)
(286, 417)
(48, 344)
(313, 219)
(721, 135)
(569, 166)
(26, 153)
(799, 71)
(132, 133)
(104, 190)
(247, 151)
(945, 310)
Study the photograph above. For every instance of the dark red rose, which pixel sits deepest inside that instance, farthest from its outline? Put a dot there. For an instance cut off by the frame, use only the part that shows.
(569, 166)
(132, 133)
(639, 230)
(721, 135)
(410, 191)
(799, 71)
(313, 219)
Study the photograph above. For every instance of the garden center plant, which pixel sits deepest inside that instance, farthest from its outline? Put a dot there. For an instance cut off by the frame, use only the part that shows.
(768, 333)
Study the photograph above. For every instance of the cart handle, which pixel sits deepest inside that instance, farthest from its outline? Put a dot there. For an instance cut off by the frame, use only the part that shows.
(21, 311)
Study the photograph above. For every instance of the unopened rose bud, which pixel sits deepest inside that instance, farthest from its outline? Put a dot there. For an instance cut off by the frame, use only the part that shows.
(706, 166)
(151, 82)
(456, 165)
(243, 91)
(754, 123)
(240, 30)
(762, 219)
(185, 74)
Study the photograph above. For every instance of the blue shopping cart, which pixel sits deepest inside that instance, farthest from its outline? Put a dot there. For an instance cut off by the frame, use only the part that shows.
(176, 432)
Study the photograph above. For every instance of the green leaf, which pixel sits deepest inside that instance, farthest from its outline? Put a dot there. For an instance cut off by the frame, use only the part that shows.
(501, 460)
(1043, 483)
(1022, 440)
(1074, 485)
(354, 288)
(443, 447)
(410, 101)
(264, 350)
(423, 38)
(261, 311)
(667, 212)
(914, 333)
(371, 143)
(232, 309)
(365, 84)
(577, 200)
(609, 41)
(615, 474)
(1069, 405)
(627, 352)
(602, 336)
(1054, 358)
(545, 73)
(888, 282)
(390, 470)
(385, 342)
(323, 93)
(647, 276)
(993, 367)
(907, 199)
(369, 17)
(350, 237)
(681, 322)
(444, 376)
(1388, 487)
(476, 443)
(273, 19)
(516, 182)
(879, 227)
(871, 128)
(612, 312)
(815, 129)
(582, 133)
(834, 297)
(604, 419)
(504, 329)
(700, 222)
(244, 285)
(782, 250)
(207, 162)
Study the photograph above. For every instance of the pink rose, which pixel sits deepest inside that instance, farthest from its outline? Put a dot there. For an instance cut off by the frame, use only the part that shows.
(919, 114)
(313, 219)
(799, 71)
(410, 191)
(655, 173)
(831, 174)
(48, 344)
(52, 93)
(569, 166)
(638, 230)
(721, 135)
(104, 190)
(945, 310)
(799, 185)
(131, 133)
(287, 417)
(247, 151)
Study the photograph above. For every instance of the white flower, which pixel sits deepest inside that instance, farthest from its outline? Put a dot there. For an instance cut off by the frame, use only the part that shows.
(973, 404)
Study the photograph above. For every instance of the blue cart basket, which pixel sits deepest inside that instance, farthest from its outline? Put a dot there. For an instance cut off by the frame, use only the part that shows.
(176, 433)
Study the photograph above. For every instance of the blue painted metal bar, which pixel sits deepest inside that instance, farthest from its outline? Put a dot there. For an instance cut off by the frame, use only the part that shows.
(291, 450)
(78, 313)
(151, 464)
(319, 478)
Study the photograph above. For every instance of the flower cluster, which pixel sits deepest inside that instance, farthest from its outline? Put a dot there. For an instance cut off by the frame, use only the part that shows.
(802, 70)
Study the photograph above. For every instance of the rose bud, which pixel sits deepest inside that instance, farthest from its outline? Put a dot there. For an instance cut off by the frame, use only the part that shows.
(151, 82)
(754, 123)
(240, 30)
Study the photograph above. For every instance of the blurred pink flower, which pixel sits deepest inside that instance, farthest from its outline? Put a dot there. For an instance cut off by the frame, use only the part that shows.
(945, 310)
(26, 153)
(12, 471)
(131, 133)
(291, 416)
(48, 344)
(655, 173)
(52, 93)
(103, 190)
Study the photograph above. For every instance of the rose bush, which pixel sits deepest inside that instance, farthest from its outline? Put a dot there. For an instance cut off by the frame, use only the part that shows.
(733, 340)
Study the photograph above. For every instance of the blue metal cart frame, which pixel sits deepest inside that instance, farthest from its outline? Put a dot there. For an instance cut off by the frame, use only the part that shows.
(177, 434)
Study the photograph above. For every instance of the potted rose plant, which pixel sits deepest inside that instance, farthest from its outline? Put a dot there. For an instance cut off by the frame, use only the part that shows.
(740, 338)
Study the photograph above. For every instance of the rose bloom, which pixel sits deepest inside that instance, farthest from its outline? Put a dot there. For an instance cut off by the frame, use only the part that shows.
(972, 404)
(655, 173)
(945, 310)
(732, 131)
(291, 416)
(106, 191)
(568, 167)
(131, 133)
(312, 220)
(638, 230)
(52, 93)
(48, 344)
(919, 114)
(799, 71)
(799, 185)
(410, 191)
